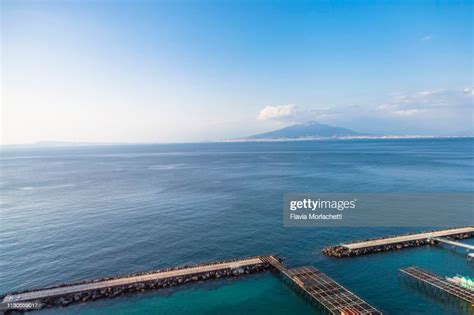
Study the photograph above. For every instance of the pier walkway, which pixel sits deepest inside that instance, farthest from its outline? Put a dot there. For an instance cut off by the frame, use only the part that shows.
(439, 283)
(408, 238)
(383, 244)
(330, 294)
(458, 244)
(124, 281)
(322, 289)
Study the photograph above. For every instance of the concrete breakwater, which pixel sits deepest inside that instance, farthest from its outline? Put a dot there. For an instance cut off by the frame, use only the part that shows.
(66, 294)
(388, 243)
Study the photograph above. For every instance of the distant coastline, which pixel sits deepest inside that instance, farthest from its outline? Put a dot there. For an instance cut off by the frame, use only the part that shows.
(313, 130)
(345, 138)
(341, 138)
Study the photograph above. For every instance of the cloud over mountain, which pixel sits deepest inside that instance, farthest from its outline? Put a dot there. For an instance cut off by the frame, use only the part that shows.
(444, 111)
(293, 113)
(277, 112)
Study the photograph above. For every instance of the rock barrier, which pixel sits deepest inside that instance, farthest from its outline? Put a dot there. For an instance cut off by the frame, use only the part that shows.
(340, 251)
(172, 281)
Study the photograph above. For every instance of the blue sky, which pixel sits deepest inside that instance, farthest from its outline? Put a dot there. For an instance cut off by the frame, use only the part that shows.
(165, 71)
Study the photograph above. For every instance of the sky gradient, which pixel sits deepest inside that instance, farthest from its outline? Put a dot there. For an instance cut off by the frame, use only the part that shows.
(174, 71)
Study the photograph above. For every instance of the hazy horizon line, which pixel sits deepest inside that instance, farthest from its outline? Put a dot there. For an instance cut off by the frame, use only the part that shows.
(53, 143)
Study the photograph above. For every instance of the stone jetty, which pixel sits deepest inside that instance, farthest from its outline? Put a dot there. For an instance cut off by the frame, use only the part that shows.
(110, 287)
(389, 243)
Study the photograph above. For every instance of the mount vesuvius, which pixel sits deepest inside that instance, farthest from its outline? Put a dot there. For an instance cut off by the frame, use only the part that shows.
(307, 130)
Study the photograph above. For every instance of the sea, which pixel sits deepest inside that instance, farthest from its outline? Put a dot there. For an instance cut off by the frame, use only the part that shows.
(83, 212)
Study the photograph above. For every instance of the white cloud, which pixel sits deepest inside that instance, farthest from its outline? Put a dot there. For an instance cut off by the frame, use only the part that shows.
(434, 102)
(469, 91)
(277, 112)
(395, 111)
(292, 113)
(434, 112)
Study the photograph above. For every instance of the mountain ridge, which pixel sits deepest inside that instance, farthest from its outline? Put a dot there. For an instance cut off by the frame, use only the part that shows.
(309, 129)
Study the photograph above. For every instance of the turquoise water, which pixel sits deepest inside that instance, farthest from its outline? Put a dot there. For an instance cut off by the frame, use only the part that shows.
(78, 213)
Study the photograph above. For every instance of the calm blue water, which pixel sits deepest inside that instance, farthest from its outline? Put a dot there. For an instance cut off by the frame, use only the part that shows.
(85, 212)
